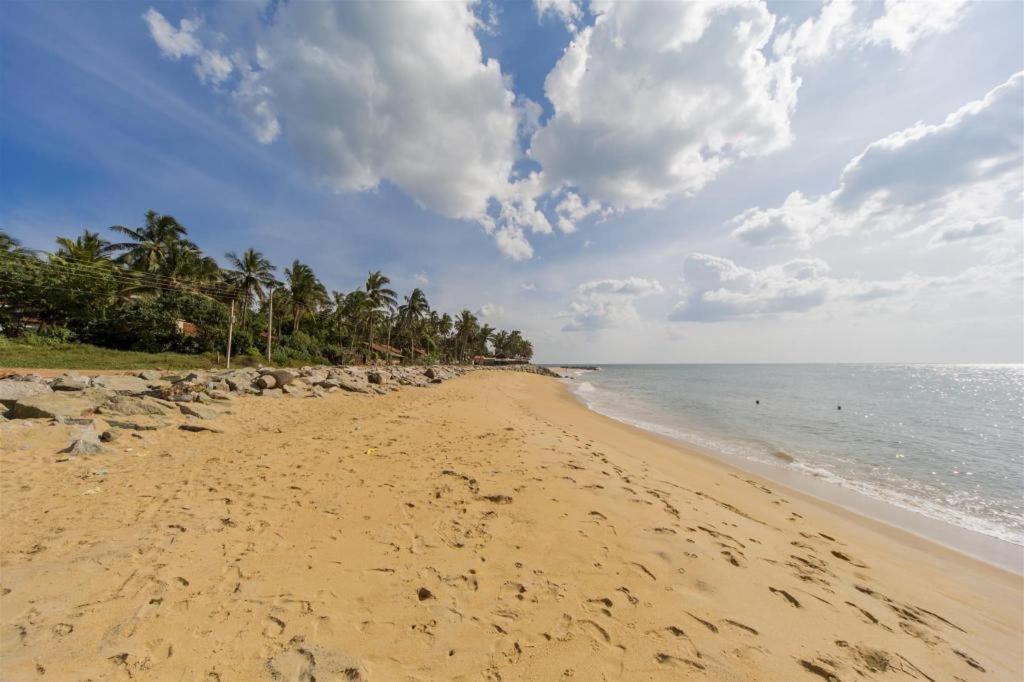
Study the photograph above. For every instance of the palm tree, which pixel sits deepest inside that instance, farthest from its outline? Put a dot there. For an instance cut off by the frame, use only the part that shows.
(9, 244)
(183, 261)
(500, 343)
(481, 338)
(87, 247)
(356, 311)
(148, 246)
(465, 330)
(411, 314)
(379, 297)
(305, 290)
(251, 275)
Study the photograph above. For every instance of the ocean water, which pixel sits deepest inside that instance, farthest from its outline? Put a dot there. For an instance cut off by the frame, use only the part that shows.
(942, 441)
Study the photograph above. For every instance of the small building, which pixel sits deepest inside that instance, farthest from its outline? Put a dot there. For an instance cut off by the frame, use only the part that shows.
(488, 361)
(186, 328)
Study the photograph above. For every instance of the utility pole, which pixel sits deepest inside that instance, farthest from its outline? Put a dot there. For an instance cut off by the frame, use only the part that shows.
(231, 329)
(270, 324)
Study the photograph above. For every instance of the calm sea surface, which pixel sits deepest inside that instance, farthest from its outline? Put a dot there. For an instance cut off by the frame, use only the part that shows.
(942, 441)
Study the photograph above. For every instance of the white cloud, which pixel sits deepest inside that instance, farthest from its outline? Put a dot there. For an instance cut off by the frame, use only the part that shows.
(906, 22)
(981, 228)
(421, 278)
(718, 289)
(605, 303)
(213, 67)
(656, 99)
(490, 311)
(927, 178)
(528, 286)
(568, 11)
(173, 43)
(368, 92)
(572, 209)
(651, 101)
(843, 24)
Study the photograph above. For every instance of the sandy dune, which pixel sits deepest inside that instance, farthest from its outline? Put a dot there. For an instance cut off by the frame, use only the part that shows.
(486, 528)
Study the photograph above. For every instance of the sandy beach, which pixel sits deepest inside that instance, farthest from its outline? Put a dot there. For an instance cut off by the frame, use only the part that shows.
(487, 528)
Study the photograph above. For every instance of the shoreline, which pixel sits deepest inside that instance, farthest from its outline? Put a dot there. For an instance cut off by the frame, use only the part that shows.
(488, 526)
(971, 543)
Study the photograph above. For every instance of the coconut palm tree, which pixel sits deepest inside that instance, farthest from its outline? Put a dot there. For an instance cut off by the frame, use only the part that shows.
(411, 314)
(481, 338)
(500, 343)
(147, 246)
(465, 330)
(380, 298)
(87, 247)
(252, 275)
(305, 291)
(184, 262)
(9, 244)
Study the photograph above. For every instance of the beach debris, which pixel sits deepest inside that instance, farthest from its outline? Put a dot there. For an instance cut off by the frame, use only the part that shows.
(423, 594)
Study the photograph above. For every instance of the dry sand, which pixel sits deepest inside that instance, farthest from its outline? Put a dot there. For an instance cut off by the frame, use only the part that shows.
(490, 528)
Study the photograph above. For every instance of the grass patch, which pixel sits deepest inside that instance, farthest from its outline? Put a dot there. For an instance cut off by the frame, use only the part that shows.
(83, 356)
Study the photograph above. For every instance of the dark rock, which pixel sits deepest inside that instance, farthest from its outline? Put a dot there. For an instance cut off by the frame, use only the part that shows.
(282, 376)
(199, 427)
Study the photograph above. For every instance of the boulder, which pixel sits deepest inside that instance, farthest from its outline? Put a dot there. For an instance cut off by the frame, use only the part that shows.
(200, 411)
(282, 376)
(430, 373)
(271, 393)
(296, 389)
(120, 383)
(131, 406)
(376, 378)
(149, 375)
(85, 446)
(219, 395)
(315, 376)
(60, 404)
(13, 390)
(353, 386)
(266, 381)
(239, 381)
(70, 381)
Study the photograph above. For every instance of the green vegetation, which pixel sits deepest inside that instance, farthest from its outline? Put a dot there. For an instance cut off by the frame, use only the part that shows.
(158, 296)
(29, 352)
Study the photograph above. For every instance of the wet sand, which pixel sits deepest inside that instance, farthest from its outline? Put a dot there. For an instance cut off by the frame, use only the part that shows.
(490, 527)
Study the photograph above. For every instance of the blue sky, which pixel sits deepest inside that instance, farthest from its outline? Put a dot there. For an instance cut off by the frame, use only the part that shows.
(633, 183)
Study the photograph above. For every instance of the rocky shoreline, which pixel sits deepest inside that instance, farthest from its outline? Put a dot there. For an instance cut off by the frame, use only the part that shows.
(105, 407)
